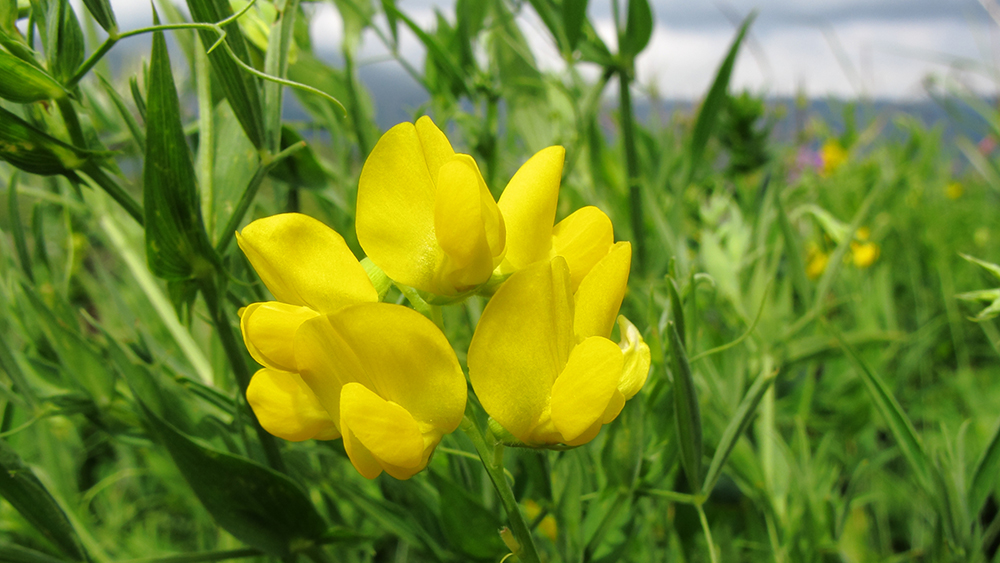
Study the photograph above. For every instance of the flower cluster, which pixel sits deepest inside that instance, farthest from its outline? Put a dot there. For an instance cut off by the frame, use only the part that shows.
(337, 362)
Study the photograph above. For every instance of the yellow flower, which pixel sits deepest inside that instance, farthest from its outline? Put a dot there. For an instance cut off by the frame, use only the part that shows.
(547, 526)
(954, 190)
(817, 262)
(425, 215)
(310, 270)
(864, 254)
(390, 381)
(541, 362)
(833, 155)
(337, 362)
(528, 205)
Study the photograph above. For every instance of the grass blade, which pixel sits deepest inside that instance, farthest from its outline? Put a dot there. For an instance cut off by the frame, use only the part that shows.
(686, 411)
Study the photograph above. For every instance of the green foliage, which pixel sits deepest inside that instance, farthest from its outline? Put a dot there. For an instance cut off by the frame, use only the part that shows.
(807, 401)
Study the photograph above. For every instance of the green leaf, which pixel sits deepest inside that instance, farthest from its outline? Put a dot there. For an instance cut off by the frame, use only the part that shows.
(677, 307)
(623, 449)
(984, 477)
(687, 413)
(435, 51)
(638, 29)
(465, 522)
(102, 12)
(8, 15)
(738, 424)
(988, 266)
(62, 37)
(35, 151)
(257, 505)
(302, 169)
(17, 554)
(83, 364)
(714, 102)
(22, 489)
(574, 14)
(241, 89)
(177, 246)
(24, 83)
(123, 110)
(899, 424)
(16, 228)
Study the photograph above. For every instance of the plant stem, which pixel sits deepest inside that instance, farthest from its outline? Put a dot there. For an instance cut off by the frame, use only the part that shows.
(632, 169)
(234, 354)
(492, 460)
(708, 533)
(114, 190)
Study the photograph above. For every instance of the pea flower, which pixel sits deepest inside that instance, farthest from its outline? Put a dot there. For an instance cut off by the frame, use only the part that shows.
(528, 205)
(425, 215)
(337, 362)
(541, 361)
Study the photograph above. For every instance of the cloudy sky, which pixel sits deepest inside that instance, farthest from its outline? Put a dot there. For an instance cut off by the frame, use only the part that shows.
(844, 48)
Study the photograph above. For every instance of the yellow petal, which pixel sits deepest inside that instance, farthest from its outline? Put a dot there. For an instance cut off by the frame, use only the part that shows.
(304, 262)
(528, 206)
(395, 212)
(637, 359)
(360, 457)
(268, 331)
(436, 147)
(459, 226)
(396, 352)
(287, 408)
(521, 344)
(582, 239)
(615, 406)
(386, 429)
(601, 292)
(585, 387)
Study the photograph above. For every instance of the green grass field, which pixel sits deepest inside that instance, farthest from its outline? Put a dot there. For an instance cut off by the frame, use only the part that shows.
(820, 313)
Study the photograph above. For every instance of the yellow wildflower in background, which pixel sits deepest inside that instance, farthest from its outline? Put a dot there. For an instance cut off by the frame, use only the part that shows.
(833, 155)
(953, 190)
(528, 204)
(425, 215)
(547, 526)
(817, 261)
(337, 362)
(864, 254)
(541, 361)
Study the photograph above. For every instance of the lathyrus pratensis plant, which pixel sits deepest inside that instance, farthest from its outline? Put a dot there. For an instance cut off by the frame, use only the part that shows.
(340, 363)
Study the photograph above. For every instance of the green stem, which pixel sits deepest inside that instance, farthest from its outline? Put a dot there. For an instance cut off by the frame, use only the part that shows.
(234, 353)
(116, 192)
(708, 533)
(632, 168)
(226, 234)
(492, 460)
(72, 121)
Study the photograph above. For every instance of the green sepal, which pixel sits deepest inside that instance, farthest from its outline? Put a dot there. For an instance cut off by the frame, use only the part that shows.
(24, 83)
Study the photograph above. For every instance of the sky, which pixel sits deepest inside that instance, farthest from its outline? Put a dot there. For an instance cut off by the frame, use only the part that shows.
(823, 48)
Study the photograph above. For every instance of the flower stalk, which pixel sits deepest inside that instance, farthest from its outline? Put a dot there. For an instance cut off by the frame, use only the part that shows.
(492, 458)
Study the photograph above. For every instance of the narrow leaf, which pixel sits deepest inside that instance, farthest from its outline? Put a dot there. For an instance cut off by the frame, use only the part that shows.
(988, 266)
(638, 28)
(177, 246)
(738, 424)
(64, 40)
(102, 12)
(35, 151)
(11, 553)
(574, 13)
(687, 413)
(241, 89)
(22, 489)
(17, 229)
(25, 83)
(133, 126)
(257, 505)
(677, 308)
(899, 424)
(984, 477)
(711, 108)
